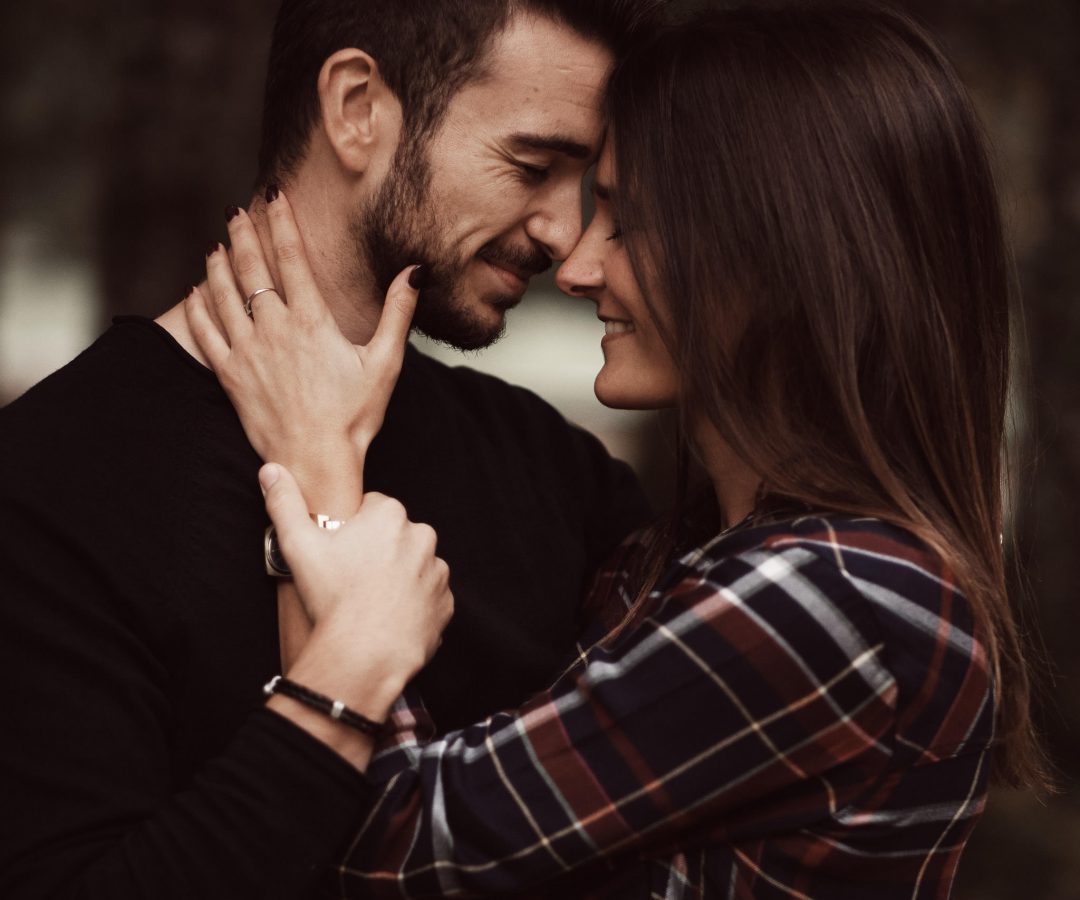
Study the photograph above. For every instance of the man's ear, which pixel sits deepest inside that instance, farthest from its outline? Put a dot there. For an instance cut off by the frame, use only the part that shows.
(358, 109)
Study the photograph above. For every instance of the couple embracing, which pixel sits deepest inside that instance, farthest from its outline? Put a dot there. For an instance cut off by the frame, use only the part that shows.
(799, 682)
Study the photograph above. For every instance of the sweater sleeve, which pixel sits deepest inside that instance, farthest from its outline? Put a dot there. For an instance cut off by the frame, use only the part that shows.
(92, 805)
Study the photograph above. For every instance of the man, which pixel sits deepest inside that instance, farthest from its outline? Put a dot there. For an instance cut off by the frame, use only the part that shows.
(137, 625)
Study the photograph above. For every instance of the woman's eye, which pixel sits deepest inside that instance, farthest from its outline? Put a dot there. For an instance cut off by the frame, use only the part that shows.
(616, 233)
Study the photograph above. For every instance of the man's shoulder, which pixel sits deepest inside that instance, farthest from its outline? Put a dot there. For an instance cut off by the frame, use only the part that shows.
(127, 404)
(133, 370)
(130, 356)
(126, 463)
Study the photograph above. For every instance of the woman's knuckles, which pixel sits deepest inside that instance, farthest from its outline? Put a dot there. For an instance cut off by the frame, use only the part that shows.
(287, 252)
(426, 538)
(221, 295)
(247, 263)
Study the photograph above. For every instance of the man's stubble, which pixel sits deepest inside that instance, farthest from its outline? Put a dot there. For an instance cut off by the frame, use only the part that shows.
(401, 227)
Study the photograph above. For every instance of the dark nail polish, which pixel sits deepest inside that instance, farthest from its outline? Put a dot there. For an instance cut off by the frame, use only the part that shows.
(231, 212)
(211, 248)
(418, 277)
(272, 193)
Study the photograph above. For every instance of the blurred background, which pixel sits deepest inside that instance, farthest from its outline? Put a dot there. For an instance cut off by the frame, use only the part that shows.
(126, 126)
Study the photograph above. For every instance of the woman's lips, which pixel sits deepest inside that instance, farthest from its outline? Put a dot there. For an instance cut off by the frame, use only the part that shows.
(615, 329)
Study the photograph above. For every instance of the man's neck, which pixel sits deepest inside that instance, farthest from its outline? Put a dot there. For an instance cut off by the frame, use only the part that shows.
(343, 281)
(341, 277)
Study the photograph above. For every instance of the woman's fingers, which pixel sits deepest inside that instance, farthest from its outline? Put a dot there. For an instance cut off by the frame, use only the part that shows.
(388, 342)
(249, 265)
(224, 294)
(285, 506)
(290, 255)
(205, 330)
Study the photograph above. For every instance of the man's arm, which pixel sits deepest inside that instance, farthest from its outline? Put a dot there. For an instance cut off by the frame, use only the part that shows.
(93, 803)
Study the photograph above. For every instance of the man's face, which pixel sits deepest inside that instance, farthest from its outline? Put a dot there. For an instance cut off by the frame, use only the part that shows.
(496, 193)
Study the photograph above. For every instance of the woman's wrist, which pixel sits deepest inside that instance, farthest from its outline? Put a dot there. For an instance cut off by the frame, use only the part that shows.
(331, 477)
(360, 680)
(353, 746)
(361, 676)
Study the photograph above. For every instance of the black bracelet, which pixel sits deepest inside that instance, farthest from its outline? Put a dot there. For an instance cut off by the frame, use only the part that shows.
(335, 709)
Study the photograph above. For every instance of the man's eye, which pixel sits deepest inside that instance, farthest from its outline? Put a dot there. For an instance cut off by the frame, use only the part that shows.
(532, 173)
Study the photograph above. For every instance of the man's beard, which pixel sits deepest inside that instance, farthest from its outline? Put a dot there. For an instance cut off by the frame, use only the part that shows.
(400, 227)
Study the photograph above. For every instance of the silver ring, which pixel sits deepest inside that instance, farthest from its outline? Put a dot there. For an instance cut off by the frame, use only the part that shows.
(252, 296)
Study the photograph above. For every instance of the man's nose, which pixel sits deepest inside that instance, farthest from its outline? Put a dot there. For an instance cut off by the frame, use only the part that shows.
(556, 226)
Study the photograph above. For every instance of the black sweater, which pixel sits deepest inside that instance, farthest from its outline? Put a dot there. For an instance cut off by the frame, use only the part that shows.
(137, 625)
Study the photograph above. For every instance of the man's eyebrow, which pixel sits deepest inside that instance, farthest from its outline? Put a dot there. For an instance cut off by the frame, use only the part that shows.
(556, 143)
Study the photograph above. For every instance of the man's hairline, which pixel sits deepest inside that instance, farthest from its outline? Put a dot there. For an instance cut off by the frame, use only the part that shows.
(519, 11)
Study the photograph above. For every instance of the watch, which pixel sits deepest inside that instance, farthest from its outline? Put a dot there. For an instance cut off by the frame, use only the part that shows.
(276, 565)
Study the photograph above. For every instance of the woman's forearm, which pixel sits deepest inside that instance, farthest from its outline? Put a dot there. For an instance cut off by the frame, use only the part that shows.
(359, 682)
(331, 480)
(330, 473)
(374, 586)
(332, 484)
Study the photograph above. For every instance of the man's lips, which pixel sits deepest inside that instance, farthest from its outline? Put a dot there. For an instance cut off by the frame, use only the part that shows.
(516, 279)
(515, 269)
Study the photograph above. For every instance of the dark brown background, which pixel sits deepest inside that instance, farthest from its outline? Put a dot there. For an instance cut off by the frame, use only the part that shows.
(128, 124)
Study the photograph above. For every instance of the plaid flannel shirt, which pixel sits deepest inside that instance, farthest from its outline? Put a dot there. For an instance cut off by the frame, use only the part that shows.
(805, 712)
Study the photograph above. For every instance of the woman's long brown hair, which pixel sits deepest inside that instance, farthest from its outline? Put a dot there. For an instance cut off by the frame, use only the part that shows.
(808, 190)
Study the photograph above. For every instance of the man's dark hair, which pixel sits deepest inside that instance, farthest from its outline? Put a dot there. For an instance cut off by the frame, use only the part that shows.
(427, 50)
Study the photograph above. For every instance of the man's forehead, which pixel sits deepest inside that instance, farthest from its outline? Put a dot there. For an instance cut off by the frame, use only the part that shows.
(544, 80)
(537, 40)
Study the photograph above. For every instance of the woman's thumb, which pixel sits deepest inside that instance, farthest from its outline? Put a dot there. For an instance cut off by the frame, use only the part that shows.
(284, 503)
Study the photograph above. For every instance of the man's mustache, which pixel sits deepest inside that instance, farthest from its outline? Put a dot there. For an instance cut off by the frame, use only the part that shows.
(528, 261)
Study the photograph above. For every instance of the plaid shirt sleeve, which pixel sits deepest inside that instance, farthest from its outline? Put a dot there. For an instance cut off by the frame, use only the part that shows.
(408, 729)
(754, 696)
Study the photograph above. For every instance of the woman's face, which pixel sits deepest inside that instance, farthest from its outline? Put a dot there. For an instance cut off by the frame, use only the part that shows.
(638, 371)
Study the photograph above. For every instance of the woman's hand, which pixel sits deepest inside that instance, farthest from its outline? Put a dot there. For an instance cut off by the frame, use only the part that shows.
(378, 595)
(306, 396)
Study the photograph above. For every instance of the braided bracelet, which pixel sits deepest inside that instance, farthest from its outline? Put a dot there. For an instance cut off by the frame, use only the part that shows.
(335, 709)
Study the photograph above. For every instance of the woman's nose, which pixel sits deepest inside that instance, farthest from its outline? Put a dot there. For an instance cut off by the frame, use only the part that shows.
(581, 275)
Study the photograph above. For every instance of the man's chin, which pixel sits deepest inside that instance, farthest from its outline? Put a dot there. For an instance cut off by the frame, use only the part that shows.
(459, 341)
(463, 328)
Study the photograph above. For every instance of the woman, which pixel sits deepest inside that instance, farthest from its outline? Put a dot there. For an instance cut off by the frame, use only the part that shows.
(800, 683)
